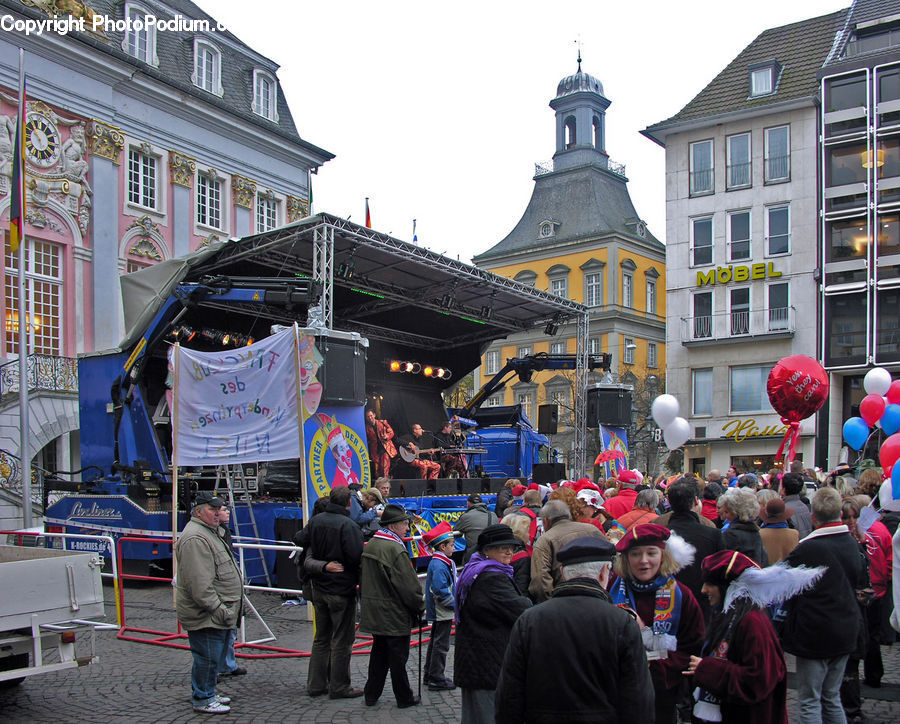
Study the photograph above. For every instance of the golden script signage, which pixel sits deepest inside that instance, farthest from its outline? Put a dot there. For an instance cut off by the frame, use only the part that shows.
(739, 273)
(742, 428)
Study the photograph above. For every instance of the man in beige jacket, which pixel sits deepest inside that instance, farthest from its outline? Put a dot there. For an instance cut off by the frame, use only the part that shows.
(559, 529)
(208, 597)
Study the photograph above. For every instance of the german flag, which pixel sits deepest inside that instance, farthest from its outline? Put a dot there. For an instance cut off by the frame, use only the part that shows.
(17, 203)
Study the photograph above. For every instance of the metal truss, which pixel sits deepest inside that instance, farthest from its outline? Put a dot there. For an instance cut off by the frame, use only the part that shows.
(581, 382)
(323, 269)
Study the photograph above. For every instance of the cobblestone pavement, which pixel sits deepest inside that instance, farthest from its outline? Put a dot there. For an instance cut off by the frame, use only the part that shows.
(137, 682)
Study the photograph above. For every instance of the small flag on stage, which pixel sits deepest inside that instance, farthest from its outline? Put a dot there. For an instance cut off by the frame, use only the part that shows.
(17, 202)
(368, 216)
(309, 209)
(415, 238)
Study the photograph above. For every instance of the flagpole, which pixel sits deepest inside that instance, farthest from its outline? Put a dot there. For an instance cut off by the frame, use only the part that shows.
(24, 445)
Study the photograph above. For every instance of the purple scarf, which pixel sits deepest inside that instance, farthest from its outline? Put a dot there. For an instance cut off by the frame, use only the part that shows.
(477, 565)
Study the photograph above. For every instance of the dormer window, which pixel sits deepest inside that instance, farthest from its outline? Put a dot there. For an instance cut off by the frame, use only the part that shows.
(265, 95)
(764, 78)
(547, 228)
(139, 39)
(207, 67)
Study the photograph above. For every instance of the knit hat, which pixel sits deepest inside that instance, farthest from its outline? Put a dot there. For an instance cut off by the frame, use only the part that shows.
(722, 567)
(629, 477)
(393, 514)
(441, 533)
(497, 534)
(518, 490)
(644, 534)
(533, 486)
(585, 550)
(474, 498)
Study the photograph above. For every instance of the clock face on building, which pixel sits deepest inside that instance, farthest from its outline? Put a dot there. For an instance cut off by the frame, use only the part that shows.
(41, 140)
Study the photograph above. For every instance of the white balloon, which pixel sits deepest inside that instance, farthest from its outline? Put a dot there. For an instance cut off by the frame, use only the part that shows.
(664, 409)
(877, 381)
(677, 433)
(886, 498)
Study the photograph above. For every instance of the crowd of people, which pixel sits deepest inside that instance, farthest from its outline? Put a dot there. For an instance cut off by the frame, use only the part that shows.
(665, 600)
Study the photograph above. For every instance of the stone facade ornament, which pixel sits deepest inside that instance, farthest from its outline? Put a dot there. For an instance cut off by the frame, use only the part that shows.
(243, 190)
(75, 8)
(182, 169)
(146, 249)
(106, 140)
(146, 225)
(39, 220)
(296, 208)
(211, 239)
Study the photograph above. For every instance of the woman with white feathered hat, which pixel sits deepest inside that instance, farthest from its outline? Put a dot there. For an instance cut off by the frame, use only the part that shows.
(741, 675)
(669, 616)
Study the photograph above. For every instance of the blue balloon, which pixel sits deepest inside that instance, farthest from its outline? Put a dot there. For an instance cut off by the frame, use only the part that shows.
(895, 482)
(890, 420)
(856, 431)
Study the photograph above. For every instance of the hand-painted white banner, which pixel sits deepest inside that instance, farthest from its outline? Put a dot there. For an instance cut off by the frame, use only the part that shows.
(237, 405)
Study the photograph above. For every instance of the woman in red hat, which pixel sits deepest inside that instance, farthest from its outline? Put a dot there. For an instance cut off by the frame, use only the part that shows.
(669, 616)
(741, 675)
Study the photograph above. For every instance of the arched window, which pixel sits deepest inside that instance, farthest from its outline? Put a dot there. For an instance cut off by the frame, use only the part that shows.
(598, 134)
(570, 131)
(207, 67)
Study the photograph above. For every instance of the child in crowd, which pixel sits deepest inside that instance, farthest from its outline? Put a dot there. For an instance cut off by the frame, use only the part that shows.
(440, 584)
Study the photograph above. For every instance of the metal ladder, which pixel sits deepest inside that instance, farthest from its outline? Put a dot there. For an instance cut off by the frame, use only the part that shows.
(229, 474)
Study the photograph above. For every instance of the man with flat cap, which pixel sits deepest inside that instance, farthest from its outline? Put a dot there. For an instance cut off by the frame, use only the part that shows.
(392, 603)
(208, 597)
(576, 657)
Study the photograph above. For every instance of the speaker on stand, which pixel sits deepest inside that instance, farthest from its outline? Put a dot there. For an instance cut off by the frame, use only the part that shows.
(548, 419)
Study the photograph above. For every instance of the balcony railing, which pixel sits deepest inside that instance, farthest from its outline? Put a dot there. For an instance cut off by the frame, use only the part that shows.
(701, 181)
(45, 372)
(738, 175)
(753, 323)
(778, 168)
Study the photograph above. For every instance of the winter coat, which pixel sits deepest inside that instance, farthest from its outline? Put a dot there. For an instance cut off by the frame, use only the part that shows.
(333, 536)
(706, 539)
(751, 681)
(521, 563)
(209, 589)
(710, 512)
(545, 569)
(485, 620)
(504, 498)
(743, 536)
(801, 519)
(702, 519)
(621, 503)
(471, 523)
(439, 585)
(575, 658)
(778, 542)
(636, 516)
(823, 622)
(391, 596)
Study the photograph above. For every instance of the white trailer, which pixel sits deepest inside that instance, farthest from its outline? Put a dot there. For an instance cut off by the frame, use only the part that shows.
(46, 597)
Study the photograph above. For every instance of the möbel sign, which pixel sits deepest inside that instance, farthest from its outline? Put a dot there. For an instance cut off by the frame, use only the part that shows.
(742, 273)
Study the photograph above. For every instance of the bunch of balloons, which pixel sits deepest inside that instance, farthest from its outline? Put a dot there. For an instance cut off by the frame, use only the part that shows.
(879, 408)
(676, 430)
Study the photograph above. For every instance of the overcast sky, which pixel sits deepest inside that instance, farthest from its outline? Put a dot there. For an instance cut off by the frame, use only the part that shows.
(439, 111)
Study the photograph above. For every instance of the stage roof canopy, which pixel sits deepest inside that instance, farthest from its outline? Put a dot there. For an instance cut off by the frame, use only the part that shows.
(385, 289)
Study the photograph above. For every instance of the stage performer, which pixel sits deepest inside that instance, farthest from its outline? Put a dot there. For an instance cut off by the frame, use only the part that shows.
(417, 442)
(741, 675)
(453, 464)
(380, 435)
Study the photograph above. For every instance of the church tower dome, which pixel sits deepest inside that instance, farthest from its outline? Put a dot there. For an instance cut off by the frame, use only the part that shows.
(580, 121)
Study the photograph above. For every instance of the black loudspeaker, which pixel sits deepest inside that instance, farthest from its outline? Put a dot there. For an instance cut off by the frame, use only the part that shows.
(548, 419)
(343, 374)
(609, 406)
(545, 473)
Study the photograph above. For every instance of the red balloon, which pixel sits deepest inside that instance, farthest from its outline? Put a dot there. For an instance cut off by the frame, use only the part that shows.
(893, 393)
(890, 451)
(871, 409)
(797, 387)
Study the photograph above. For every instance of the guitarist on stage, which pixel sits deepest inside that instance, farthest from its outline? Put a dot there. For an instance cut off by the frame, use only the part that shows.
(380, 436)
(453, 464)
(421, 446)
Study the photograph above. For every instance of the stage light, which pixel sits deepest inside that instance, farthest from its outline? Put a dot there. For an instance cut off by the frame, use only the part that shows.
(226, 338)
(428, 370)
(394, 365)
(406, 367)
(442, 373)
